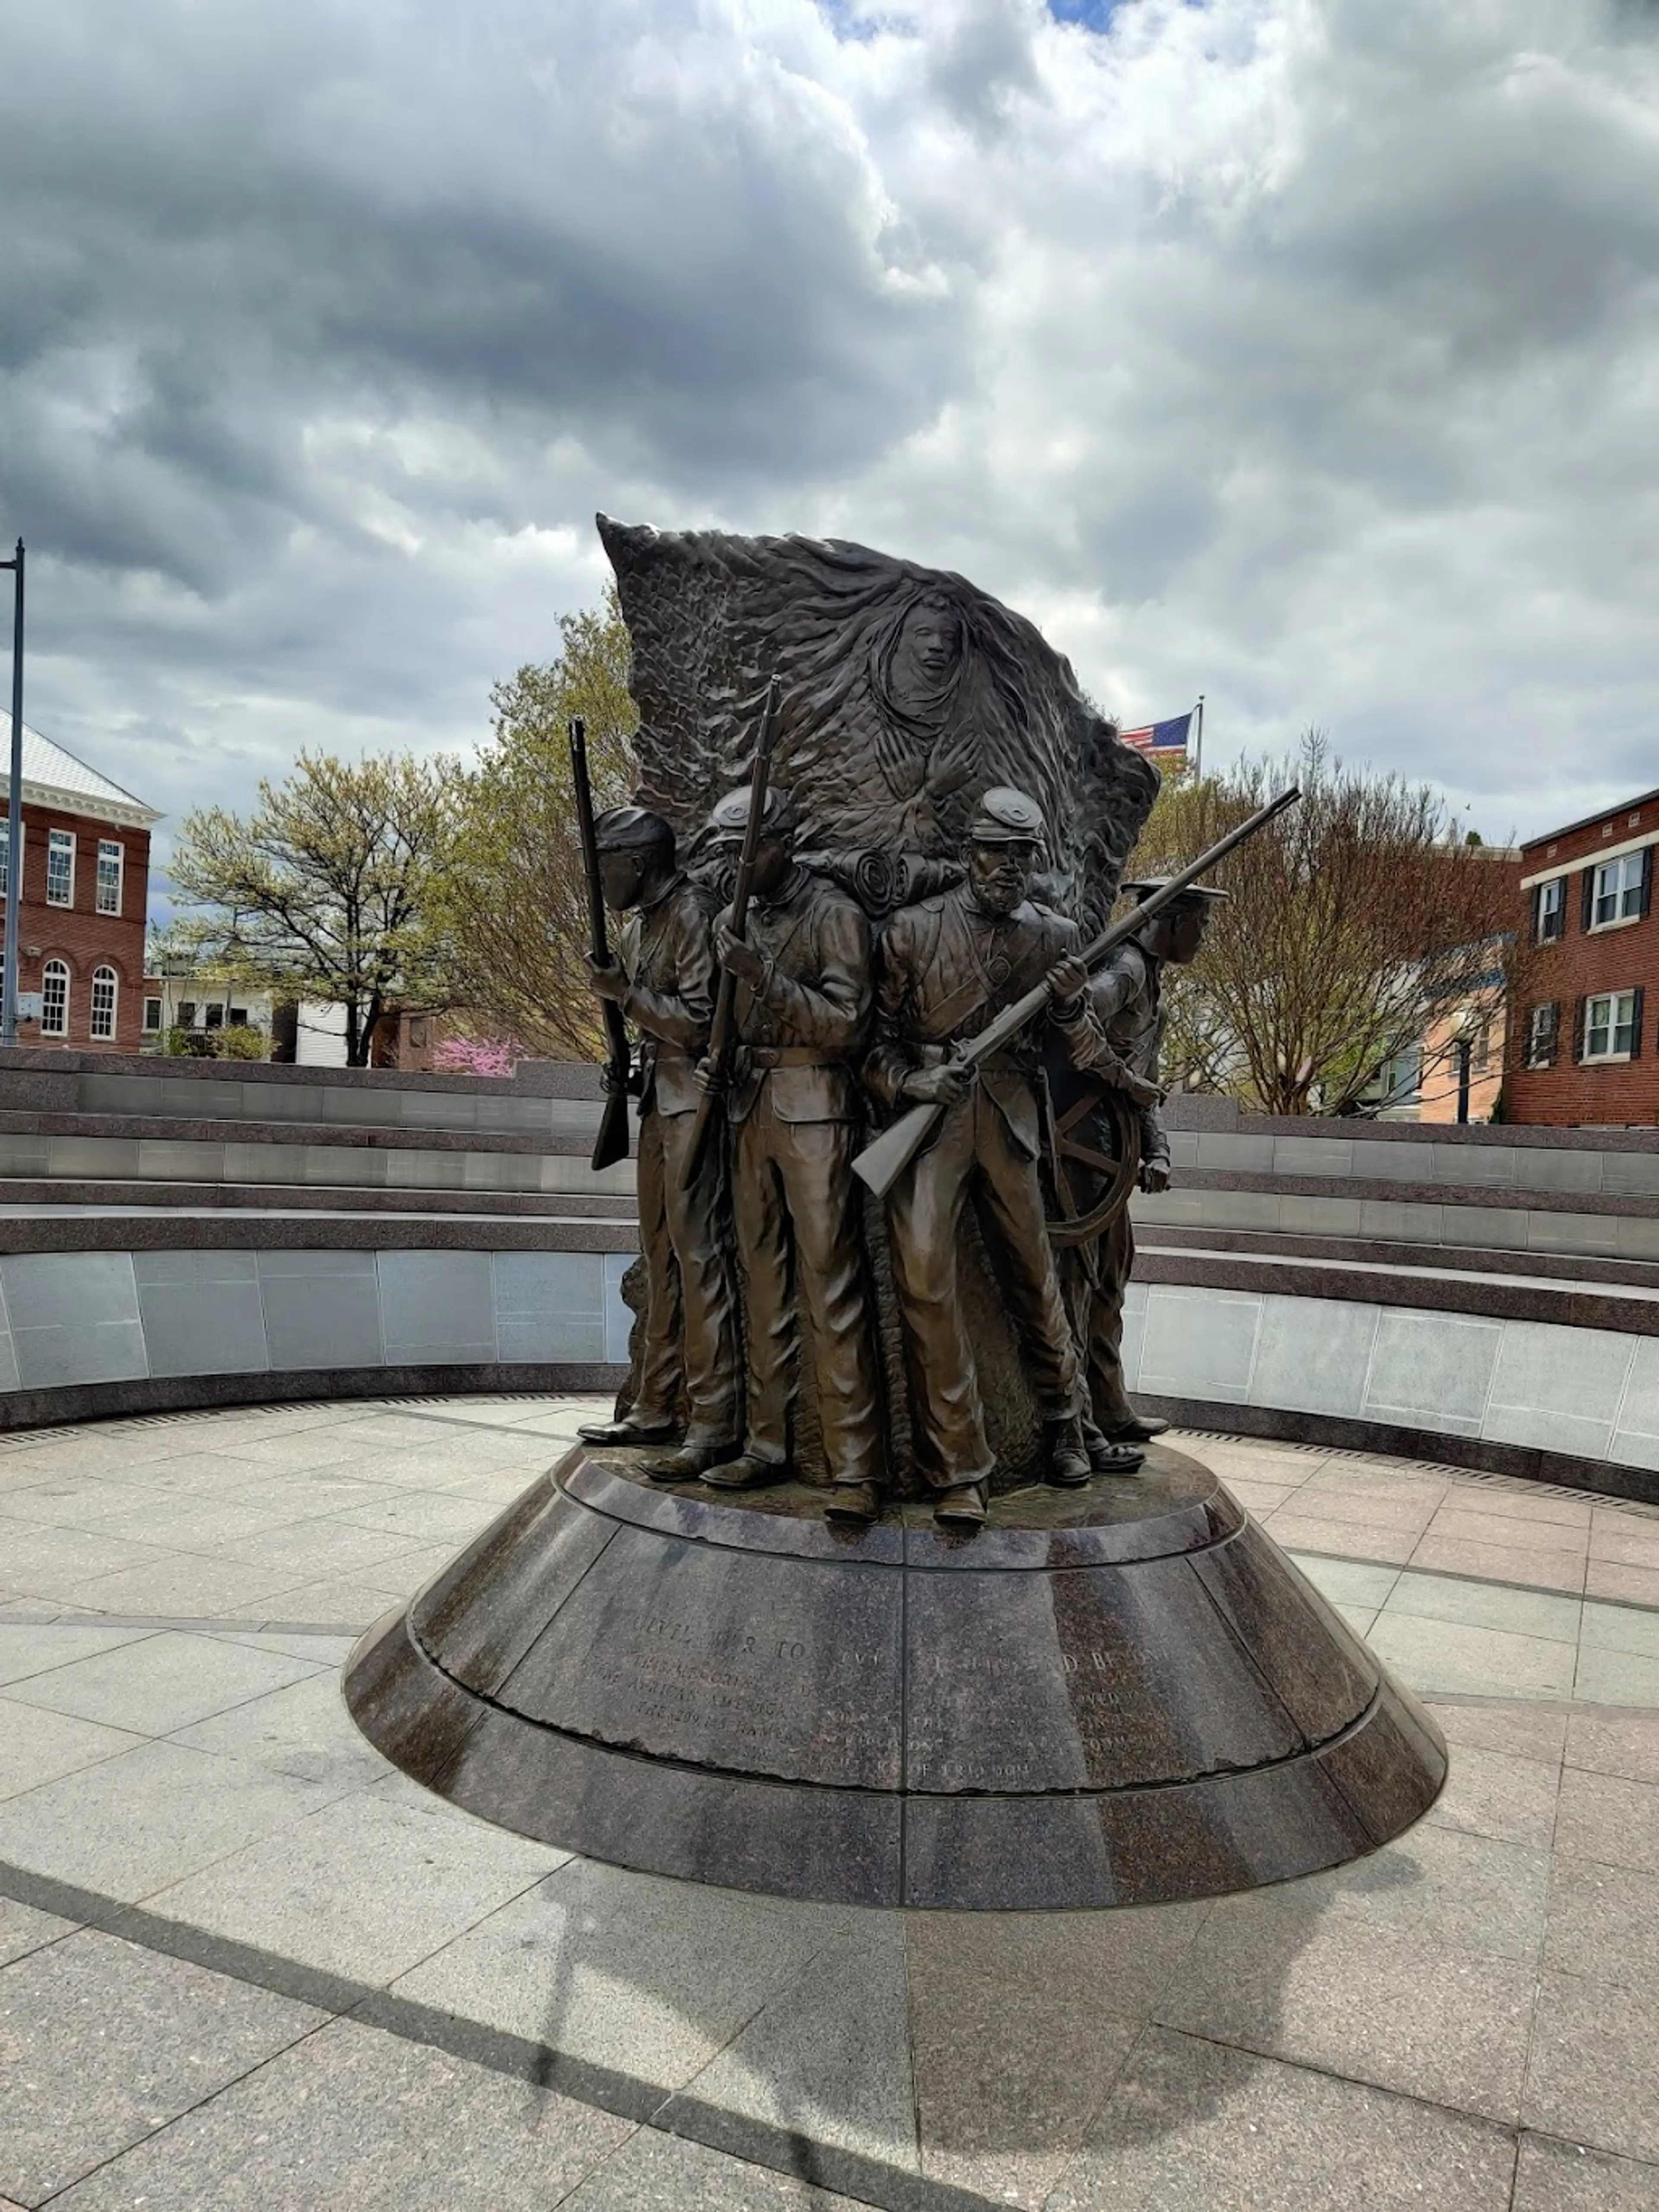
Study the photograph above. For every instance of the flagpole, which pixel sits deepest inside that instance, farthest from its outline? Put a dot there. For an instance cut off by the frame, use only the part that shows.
(1198, 758)
(15, 812)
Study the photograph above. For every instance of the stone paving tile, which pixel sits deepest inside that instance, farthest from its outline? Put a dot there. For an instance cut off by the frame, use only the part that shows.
(1458, 1522)
(1019, 2025)
(85, 1502)
(1349, 1582)
(1636, 1585)
(323, 1443)
(1590, 2073)
(655, 2173)
(1564, 2176)
(148, 1817)
(1493, 1792)
(1302, 1532)
(426, 1518)
(351, 1605)
(406, 1570)
(1380, 1509)
(37, 1747)
(1259, 1497)
(1504, 1563)
(1621, 1628)
(1444, 1655)
(367, 1886)
(1616, 1678)
(193, 1473)
(192, 1523)
(1526, 1505)
(313, 1549)
(1525, 1729)
(160, 1682)
(1361, 2003)
(303, 1729)
(180, 1585)
(1631, 1543)
(325, 1651)
(1487, 1605)
(59, 1563)
(1438, 1889)
(127, 2040)
(22, 1929)
(651, 1977)
(26, 1651)
(1604, 1922)
(1611, 1820)
(1615, 1743)
(1194, 2127)
(827, 2055)
(353, 2121)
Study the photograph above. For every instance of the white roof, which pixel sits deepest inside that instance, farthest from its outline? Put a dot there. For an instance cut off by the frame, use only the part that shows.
(52, 777)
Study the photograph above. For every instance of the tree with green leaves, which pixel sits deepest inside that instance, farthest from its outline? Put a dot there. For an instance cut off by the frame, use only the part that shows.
(325, 892)
(1355, 922)
(510, 903)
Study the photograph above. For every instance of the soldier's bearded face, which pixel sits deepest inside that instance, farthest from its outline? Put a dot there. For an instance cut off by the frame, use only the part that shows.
(1186, 927)
(998, 876)
(773, 859)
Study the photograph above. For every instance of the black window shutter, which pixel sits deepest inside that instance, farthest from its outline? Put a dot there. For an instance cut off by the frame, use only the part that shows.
(1552, 1038)
(1647, 880)
(1579, 1007)
(1635, 1026)
(1589, 900)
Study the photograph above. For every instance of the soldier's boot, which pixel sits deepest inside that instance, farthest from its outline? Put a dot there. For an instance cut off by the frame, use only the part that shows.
(691, 1463)
(1067, 1459)
(628, 1431)
(1107, 1456)
(744, 1471)
(962, 1505)
(856, 1504)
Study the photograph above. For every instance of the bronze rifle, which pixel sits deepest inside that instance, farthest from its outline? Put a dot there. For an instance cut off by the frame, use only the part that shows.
(612, 1143)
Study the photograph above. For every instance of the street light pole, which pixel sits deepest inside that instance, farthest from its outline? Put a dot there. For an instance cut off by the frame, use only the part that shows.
(14, 811)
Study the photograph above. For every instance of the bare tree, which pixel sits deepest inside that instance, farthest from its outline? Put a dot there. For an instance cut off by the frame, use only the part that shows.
(1354, 921)
(511, 904)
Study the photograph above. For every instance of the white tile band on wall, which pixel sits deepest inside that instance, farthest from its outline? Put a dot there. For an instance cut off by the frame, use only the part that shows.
(77, 1317)
(1594, 1392)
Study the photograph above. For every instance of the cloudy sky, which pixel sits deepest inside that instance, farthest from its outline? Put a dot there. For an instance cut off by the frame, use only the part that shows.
(1304, 353)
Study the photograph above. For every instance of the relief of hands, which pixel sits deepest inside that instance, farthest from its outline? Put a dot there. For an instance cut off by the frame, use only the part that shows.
(1154, 1176)
(947, 1084)
(607, 980)
(744, 961)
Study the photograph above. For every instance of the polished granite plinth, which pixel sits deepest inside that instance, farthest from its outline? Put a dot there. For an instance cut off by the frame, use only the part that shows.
(1118, 1696)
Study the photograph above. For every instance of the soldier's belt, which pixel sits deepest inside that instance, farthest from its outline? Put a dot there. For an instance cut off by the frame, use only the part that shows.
(790, 1055)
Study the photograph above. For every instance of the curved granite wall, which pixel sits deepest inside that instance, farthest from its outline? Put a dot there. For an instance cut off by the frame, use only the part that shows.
(173, 1235)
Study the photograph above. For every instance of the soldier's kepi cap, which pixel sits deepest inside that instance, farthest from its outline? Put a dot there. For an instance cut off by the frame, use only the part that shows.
(730, 817)
(629, 829)
(1006, 816)
(1144, 886)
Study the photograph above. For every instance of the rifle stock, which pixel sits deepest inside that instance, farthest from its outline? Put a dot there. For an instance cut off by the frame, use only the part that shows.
(725, 995)
(885, 1159)
(612, 1143)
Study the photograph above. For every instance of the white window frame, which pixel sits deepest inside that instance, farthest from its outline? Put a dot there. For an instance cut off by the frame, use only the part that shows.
(48, 974)
(107, 846)
(1542, 1020)
(152, 1027)
(1624, 899)
(1552, 918)
(102, 973)
(57, 840)
(5, 853)
(1613, 1001)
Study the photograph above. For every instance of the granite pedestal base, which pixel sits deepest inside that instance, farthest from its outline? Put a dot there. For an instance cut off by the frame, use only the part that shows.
(1118, 1696)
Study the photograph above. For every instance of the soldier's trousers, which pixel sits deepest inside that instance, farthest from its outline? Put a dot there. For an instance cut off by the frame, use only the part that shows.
(975, 1155)
(1099, 1306)
(690, 1321)
(795, 1202)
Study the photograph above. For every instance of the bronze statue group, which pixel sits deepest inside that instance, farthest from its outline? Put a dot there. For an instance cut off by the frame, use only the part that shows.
(829, 1027)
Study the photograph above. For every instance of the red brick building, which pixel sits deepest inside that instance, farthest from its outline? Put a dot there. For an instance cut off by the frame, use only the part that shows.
(83, 894)
(1584, 1049)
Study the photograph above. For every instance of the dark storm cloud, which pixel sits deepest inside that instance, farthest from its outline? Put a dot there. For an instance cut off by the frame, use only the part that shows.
(1301, 354)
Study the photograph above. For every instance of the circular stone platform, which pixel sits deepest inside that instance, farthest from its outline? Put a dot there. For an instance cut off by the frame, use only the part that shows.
(1120, 1695)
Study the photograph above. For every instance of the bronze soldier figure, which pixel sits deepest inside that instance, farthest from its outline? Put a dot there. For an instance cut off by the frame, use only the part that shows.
(948, 965)
(663, 979)
(803, 1009)
(1120, 1040)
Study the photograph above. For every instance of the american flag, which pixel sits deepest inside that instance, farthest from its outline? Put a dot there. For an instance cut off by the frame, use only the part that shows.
(1163, 740)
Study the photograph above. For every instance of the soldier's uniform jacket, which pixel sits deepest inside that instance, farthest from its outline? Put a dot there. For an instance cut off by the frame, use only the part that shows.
(1124, 1014)
(947, 970)
(799, 1031)
(667, 953)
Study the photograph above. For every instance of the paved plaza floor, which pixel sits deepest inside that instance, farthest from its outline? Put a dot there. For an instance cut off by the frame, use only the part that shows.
(243, 1963)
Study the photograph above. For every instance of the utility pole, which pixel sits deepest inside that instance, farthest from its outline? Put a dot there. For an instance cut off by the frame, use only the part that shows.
(15, 809)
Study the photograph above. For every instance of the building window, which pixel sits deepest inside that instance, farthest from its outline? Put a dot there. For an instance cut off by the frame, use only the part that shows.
(5, 854)
(214, 1019)
(237, 1018)
(1550, 910)
(111, 860)
(1619, 892)
(1543, 1036)
(103, 1002)
(152, 1016)
(1612, 1020)
(54, 999)
(417, 1029)
(187, 1013)
(60, 867)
